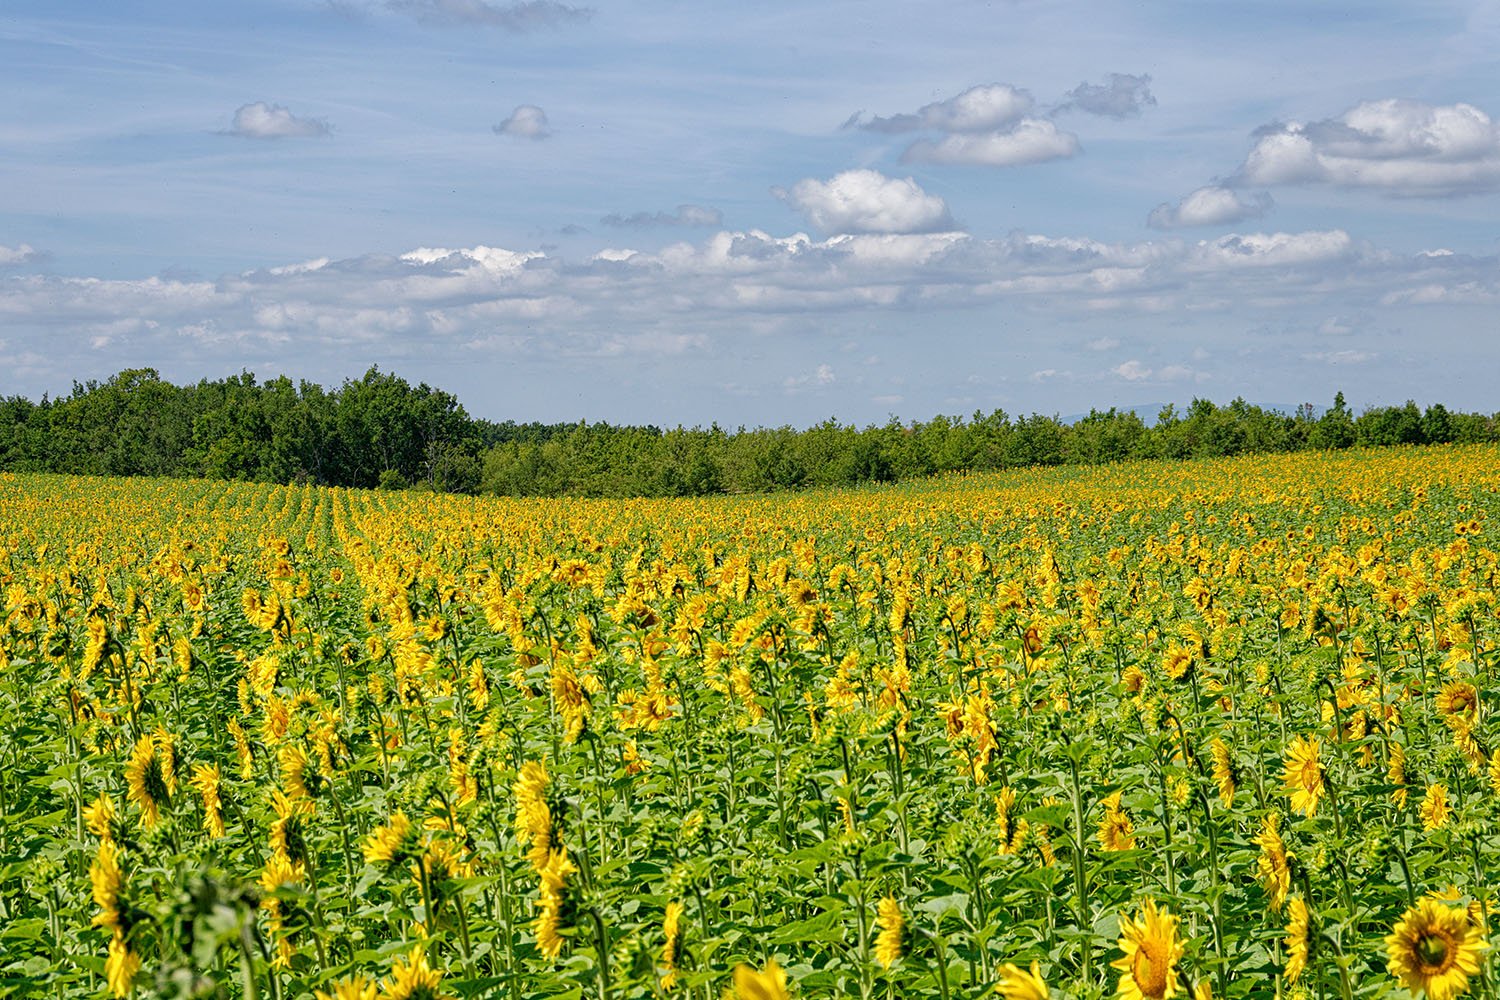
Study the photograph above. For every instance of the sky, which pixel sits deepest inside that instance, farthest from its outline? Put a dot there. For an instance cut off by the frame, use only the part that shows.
(762, 214)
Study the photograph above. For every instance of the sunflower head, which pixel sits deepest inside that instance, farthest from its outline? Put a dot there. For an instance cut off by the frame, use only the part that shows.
(1148, 969)
(892, 924)
(1435, 948)
(1022, 984)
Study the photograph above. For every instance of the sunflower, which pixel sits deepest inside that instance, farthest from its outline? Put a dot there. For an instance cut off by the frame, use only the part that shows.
(206, 781)
(121, 966)
(671, 930)
(1302, 774)
(1435, 948)
(393, 844)
(1116, 831)
(1458, 698)
(146, 778)
(100, 817)
(1395, 773)
(1148, 969)
(1274, 862)
(1434, 808)
(356, 987)
(1226, 771)
(767, 984)
(1299, 940)
(556, 909)
(891, 923)
(1021, 984)
(533, 817)
(413, 979)
(107, 881)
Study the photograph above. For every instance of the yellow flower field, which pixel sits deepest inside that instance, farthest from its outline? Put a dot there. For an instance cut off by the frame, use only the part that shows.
(1215, 729)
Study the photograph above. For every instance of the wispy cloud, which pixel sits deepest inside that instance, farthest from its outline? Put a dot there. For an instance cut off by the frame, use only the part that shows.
(517, 17)
(686, 215)
(1120, 96)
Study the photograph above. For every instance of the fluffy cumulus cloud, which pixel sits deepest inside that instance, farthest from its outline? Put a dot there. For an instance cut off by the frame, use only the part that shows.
(1214, 205)
(1031, 141)
(271, 121)
(867, 201)
(1400, 147)
(512, 17)
(526, 122)
(686, 215)
(988, 125)
(1122, 95)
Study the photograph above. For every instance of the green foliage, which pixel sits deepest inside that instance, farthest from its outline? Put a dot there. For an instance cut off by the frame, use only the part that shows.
(380, 431)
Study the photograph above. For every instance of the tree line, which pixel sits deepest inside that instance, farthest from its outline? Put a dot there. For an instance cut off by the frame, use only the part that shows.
(380, 431)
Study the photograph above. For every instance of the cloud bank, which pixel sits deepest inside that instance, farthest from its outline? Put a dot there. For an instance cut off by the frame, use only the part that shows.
(494, 302)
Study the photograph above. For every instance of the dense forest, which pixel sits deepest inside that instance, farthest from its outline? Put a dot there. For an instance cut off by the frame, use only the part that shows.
(381, 431)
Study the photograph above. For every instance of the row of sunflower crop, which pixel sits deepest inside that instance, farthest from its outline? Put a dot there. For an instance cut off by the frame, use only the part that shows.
(1219, 729)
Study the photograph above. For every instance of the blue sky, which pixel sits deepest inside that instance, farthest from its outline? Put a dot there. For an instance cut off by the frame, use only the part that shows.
(680, 213)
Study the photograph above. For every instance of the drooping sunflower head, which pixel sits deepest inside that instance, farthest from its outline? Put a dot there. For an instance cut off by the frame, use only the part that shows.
(1435, 948)
(1148, 969)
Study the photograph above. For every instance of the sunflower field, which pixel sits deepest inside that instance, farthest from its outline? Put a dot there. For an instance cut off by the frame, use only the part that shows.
(1213, 729)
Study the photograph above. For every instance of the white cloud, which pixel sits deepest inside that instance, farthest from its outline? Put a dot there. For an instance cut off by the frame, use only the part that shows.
(526, 122)
(1275, 249)
(1400, 147)
(821, 376)
(271, 121)
(978, 109)
(1032, 140)
(867, 201)
(11, 256)
(1209, 206)
(1122, 96)
(1103, 344)
(687, 296)
(686, 215)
